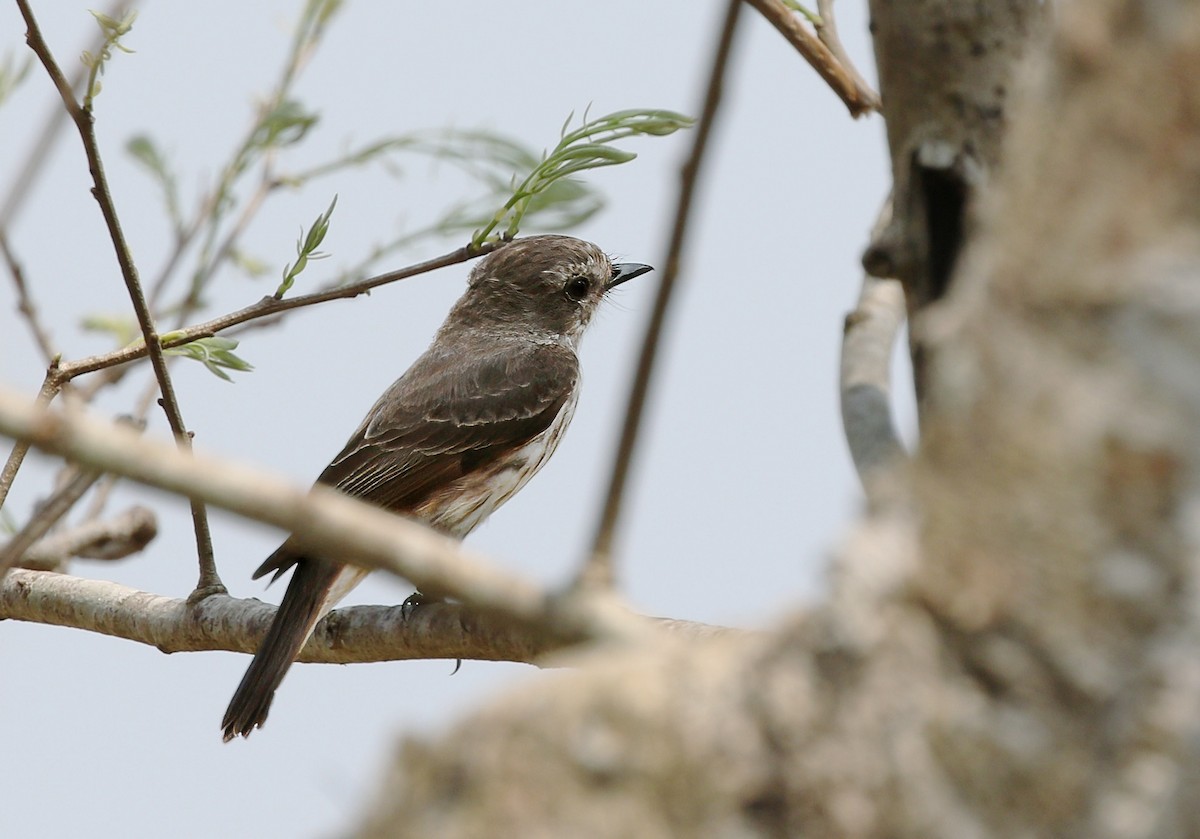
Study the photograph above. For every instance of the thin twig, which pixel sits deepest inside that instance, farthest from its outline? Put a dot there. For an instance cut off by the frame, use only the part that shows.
(268, 306)
(827, 32)
(51, 385)
(860, 100)
(84, 121)
(25, 304)
(597, 569)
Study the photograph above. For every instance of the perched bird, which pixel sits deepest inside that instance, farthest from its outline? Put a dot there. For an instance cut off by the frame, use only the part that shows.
(465, 427)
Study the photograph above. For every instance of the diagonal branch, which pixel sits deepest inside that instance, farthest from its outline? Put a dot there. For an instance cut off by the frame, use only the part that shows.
(828, 33)
(268, 306)
(321, 519)
(25, 304)
(51, 385)
(84, 121)
(846, 83)
(598, 568)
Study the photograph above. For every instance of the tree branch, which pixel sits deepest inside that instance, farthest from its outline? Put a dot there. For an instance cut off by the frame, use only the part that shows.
(827, 32)
(84, 121)
(320, 519)
(845, 81)
(268, 306)
(25, 304)
(220, 622)
(49, 389)
(597, 570)
(867, 343)
(868, 339)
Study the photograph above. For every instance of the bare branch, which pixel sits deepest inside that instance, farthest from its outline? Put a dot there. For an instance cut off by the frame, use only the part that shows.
(868, 340)
(268, 306)
(84, 121)
(221, 622)
(867, 343)
(827, 32)
(113, 538)
(597, 569)
(844, 81)
(25, 304)
(49, 389)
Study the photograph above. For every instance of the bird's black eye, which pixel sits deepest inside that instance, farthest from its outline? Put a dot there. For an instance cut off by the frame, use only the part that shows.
(577, 288)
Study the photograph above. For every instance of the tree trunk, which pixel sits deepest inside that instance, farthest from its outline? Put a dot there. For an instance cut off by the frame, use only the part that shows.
(1015, 651)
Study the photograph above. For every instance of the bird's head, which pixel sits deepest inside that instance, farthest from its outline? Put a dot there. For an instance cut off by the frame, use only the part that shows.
(544, 285)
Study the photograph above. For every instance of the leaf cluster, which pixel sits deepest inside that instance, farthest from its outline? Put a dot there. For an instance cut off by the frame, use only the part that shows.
(591, 146)
(306, 249)
(114, 29)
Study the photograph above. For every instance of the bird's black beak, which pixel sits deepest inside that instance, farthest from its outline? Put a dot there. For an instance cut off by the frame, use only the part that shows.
(623, 271)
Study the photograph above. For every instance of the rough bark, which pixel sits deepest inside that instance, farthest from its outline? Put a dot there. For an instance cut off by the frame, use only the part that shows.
(221, 622)
(945, 74)
(1017, 653)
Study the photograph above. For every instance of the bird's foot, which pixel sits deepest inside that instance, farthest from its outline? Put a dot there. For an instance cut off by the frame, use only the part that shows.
(415, 600)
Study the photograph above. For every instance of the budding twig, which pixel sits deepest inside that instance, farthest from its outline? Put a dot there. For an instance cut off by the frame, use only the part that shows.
(859, 98)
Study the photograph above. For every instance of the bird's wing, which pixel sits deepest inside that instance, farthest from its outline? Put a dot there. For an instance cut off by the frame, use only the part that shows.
(446, 417)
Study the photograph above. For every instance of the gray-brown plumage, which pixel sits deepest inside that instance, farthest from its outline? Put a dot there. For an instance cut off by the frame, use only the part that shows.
(469, 423)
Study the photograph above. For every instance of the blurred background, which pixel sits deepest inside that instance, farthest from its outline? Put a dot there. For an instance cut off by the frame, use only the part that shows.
(742, 487)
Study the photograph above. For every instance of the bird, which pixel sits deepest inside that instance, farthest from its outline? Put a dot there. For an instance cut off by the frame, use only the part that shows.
(457, 435)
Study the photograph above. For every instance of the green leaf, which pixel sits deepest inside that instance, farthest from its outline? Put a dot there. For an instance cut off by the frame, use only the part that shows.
(8, 522)
(142, 149)
(813, 18)
(122, 327)
(590, 146)
(252, 265)
(215, 353)
(114, 29)
(306, 249)
(285, 125)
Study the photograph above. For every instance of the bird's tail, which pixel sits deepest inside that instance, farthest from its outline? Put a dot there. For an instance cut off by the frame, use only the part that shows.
(304, 603)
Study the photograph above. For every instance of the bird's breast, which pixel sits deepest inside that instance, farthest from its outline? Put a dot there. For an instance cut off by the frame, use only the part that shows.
(465, 504)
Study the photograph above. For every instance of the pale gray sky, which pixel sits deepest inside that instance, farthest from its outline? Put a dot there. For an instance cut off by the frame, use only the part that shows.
(743, 486)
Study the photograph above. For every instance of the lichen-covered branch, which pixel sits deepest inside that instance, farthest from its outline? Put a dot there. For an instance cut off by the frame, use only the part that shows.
(221, 622)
